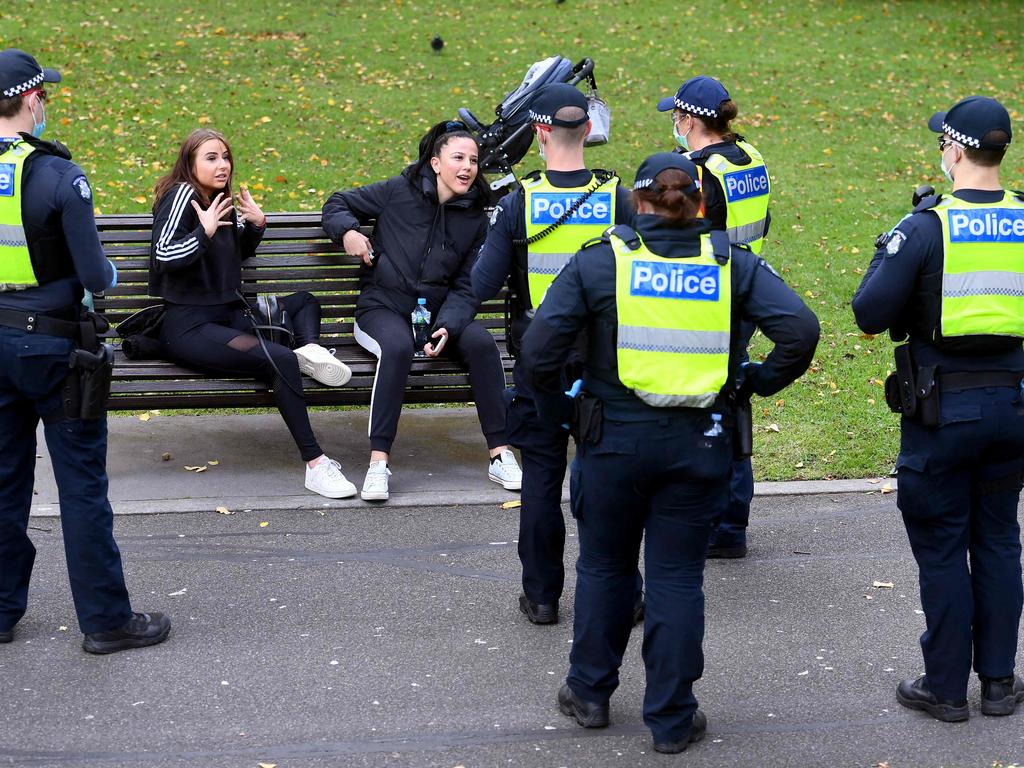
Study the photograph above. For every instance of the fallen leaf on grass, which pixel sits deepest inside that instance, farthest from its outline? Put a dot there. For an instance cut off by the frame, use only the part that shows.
(512, 504)
(773, 428)
(224, 511)
(882, 584)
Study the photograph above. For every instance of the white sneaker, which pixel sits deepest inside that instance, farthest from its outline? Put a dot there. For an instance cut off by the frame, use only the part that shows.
(506, 472)
(325, 477)
(321, 364)
(375, 486)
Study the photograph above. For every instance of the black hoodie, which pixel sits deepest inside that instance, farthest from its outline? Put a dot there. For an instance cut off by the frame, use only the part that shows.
(422, 248)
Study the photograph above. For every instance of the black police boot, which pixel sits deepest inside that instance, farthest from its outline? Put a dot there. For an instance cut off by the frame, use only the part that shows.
(1001, 695)
(726, 546)
(586, 713)
(141, 629)
(538, 613)
(697, 731)
(914, 694)
(639, 609)
(6, 636)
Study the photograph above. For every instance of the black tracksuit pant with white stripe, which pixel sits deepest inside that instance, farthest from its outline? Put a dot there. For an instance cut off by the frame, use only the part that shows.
(207, 338)
(388, 336)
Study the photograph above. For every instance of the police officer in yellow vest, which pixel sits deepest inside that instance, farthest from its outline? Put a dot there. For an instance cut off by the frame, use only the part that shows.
(735, 190)
(660, 306)
(534, 231)
(951, 276)
(49, 250)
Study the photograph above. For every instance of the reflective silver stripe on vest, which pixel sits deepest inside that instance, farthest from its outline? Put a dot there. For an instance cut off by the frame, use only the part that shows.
(677, 401)
(982, 284)
(672, 340)
(747, 233)
(546, 263)
(12, 236)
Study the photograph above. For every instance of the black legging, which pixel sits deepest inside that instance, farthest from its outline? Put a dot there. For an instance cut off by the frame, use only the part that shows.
(218, 339)
(388, 336)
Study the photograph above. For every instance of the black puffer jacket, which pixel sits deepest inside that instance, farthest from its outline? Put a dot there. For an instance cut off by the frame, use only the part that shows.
(422, 248)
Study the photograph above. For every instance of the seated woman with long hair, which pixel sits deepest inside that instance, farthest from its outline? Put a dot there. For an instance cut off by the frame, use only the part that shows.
(199, 242)
(430, 223)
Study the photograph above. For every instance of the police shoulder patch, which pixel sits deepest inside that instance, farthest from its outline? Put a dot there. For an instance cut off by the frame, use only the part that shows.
(769, 267)
(81, 185)
(895, 242)
(495, 214)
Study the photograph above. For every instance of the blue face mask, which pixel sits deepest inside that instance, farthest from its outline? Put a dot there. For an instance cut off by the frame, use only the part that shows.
(680, 138)
(40, 126)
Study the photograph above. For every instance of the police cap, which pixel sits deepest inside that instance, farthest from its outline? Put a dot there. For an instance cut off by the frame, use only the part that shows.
(551, 98)
(19, 72)
(700, 95)
(970, 119)
(663, 161)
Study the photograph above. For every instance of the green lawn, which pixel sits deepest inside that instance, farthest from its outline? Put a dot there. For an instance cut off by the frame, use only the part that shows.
(317, 96)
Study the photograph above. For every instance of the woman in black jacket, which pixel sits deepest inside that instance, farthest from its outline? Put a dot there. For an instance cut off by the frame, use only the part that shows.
(430, 223)
(199, 242)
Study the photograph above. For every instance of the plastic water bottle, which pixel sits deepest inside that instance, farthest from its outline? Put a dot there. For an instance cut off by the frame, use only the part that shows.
(420, 327)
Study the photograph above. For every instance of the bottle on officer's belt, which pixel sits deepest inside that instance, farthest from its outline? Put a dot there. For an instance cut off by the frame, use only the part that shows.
(420, 327)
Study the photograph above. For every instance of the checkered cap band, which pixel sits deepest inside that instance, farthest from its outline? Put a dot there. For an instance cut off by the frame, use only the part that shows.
(963, 138)
(643, 183)
(694, 109)
(26, 86)
(538, 118)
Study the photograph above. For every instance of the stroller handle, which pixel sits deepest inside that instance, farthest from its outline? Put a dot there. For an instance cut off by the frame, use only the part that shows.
(584, 70)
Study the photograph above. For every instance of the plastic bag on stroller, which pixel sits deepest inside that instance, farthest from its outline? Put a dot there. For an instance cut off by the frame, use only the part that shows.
(506, 141)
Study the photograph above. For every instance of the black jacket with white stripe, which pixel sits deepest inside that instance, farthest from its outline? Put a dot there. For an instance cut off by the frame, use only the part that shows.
(186, 266)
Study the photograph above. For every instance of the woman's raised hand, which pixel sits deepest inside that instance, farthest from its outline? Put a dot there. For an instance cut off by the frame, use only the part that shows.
(249, 209)
(213, 217)
(358, 244)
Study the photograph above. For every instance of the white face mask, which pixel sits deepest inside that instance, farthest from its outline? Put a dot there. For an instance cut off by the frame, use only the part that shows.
(947, 172)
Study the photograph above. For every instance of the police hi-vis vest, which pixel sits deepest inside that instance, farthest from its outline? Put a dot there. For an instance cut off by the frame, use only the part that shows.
(674, 322)
(15, 262)
(982, 267)
(545, 204)
(747, 189)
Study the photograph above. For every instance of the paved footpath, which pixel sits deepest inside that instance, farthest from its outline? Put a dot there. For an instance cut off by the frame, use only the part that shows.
(390, 637)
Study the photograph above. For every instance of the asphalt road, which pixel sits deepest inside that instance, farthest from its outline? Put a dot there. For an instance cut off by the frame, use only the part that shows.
(384, 637)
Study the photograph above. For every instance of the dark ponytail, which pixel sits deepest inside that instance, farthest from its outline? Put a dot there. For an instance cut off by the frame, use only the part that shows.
(666, 196)
(434, 141)
(727, 112)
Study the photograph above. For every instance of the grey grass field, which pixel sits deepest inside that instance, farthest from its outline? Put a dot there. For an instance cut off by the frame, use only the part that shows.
(317, 96)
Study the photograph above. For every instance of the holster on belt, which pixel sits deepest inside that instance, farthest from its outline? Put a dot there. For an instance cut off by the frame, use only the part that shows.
(743, 430)
(587, 419)
(87, 387)
(901, 386)
(927, 396)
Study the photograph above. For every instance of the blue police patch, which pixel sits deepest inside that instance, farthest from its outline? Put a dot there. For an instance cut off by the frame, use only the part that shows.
(739, 185)
(7, 171)
(548, 207)
(81, 185)
(659, 280)
(986, 225)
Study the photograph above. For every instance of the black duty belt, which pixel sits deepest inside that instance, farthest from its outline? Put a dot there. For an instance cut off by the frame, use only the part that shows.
(978, 379)
(34, 322)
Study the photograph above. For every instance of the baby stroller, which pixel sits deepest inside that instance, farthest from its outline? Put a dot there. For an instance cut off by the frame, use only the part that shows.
(506, 141)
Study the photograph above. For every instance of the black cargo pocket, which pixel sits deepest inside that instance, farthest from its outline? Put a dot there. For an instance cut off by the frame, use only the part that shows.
(958, 413)
(44, 364)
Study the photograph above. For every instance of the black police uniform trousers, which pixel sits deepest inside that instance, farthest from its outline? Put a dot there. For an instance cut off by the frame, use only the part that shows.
(959, 486)
(542, 449)
(665, 483)
(33, 368)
